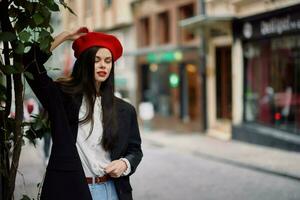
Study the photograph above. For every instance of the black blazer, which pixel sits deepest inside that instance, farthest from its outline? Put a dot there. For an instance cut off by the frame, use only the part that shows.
(65, 177)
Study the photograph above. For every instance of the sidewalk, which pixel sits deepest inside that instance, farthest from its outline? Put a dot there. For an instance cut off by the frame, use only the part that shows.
(266, 159)
(31, 170)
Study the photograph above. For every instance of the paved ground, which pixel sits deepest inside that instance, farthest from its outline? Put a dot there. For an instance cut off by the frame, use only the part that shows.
(190, 166)
(168, 174)
(31, 170)
(285, 163)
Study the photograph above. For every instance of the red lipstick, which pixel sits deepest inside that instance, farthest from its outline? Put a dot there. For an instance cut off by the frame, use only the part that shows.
(102, 73)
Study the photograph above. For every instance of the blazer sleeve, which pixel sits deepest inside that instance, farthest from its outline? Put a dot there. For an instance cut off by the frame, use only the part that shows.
(134, 152)
(41, 84)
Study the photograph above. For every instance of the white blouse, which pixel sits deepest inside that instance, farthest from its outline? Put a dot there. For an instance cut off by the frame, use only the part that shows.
(92, 155)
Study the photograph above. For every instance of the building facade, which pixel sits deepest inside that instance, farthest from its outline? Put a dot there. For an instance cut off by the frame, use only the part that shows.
(113, 17)
(271, 55)
(252, 70)
(168, 61)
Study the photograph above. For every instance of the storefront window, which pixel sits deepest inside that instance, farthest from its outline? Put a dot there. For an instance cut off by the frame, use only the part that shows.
(156, 88)
(272, 93)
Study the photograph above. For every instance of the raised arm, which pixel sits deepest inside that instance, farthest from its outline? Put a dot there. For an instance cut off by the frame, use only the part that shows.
(41, 84)
(68, 35)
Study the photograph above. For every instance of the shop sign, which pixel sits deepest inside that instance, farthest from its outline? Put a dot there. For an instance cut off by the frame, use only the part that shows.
(268, 24)
(170, 56)
(279, 25)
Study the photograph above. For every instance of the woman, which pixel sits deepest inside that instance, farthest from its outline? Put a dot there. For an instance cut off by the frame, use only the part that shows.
(96, 140)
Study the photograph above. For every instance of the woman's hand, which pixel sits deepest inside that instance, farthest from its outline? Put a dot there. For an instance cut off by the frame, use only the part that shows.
(116, 168)
(68, 35)
(75, 34)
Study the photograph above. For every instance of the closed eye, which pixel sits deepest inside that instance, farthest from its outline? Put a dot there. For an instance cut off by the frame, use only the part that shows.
(107, 60)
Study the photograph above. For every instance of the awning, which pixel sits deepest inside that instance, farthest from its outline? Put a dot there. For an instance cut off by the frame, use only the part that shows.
(205, 21)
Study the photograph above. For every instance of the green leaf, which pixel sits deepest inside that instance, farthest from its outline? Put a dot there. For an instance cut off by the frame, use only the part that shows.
(30, 134)
(28, 75)
(46, 13)
(44, 45)
(52, 5)
(38, 18)
(20, 48)
(27, 49)
(13, 69)
(24, 36)
(44, 33)
(9, 69)
(38, 128)
(19, 66)
(7, 36)
(21, 24)
(2, 92)
(50, 29)
(45, 42)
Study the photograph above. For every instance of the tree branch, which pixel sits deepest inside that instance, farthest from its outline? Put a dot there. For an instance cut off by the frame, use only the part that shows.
(8, 81)
(6, 26)
(18, 86)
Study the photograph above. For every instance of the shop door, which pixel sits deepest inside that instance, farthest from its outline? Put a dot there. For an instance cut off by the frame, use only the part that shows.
(193, 91)
(224, 82)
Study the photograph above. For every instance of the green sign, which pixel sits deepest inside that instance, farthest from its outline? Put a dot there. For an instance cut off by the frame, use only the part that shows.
(174, 80)
(170, 56)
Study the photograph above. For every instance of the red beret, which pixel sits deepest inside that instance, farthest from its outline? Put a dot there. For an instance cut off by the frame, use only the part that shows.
(92, 39)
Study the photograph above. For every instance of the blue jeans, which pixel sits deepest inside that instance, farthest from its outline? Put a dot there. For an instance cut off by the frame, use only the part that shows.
(104, 191)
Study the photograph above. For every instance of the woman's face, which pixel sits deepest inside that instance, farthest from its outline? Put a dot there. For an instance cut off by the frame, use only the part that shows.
(103, 64)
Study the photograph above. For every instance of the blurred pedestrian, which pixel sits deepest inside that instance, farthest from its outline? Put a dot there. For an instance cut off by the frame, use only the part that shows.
(31, 108)
(96, 143)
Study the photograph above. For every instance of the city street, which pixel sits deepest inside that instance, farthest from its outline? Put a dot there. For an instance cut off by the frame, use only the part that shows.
(209, 90)
(168, 172)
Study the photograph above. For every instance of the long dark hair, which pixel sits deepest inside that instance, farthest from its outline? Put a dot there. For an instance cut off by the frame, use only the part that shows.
(81, 81)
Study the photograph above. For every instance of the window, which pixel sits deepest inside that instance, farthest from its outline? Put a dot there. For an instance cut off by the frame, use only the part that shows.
(272, 93)
(163, 28)
(144, 32)
(185, 12)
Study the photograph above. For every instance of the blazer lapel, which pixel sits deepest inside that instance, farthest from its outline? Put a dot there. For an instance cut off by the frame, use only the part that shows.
(120, 111)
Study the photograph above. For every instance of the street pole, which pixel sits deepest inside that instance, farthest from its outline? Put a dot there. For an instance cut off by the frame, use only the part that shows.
(203, 66)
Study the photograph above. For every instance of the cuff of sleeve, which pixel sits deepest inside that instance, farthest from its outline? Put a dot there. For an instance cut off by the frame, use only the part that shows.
(128, 170)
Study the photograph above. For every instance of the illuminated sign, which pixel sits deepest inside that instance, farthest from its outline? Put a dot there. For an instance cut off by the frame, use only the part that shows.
(170, 56)
(173, 80)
